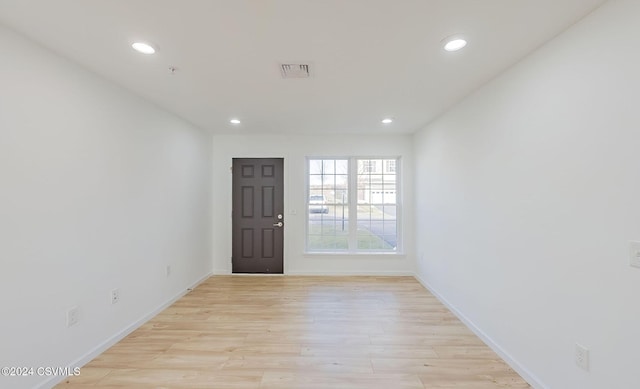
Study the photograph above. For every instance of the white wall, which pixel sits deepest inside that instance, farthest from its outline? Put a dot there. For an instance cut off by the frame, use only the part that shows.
(530, 194)
(98, 190)
(294, 150)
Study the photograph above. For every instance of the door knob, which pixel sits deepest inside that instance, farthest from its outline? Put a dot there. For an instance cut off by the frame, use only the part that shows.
(278, 224)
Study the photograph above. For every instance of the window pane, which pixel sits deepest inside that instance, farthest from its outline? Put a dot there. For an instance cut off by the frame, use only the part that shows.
(342, 166)
(389, 195)
(341, 196)
(364, 227)
(315, 166)
(329, 166)
(390, 166)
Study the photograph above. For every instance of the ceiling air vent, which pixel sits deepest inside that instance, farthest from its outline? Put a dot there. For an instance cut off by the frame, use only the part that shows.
(295, 70)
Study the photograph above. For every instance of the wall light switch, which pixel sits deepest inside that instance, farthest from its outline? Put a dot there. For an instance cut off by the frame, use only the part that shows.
(73, 315)
(634, 254)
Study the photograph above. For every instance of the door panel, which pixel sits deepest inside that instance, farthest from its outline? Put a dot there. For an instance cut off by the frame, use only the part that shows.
(258, 209)
(268, 237)
(247, 201)
(268, 201)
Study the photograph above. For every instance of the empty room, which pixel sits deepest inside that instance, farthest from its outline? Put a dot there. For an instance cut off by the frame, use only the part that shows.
(311, 194)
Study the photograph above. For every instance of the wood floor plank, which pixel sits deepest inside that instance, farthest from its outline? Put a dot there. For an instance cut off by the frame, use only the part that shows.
(288, 380)
(303, 333)
(465, 352)
(370, 351)
(168, 378)
(300, 363)
(89, 376)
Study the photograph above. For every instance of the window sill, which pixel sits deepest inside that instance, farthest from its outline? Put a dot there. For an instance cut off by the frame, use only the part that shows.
(377, 254)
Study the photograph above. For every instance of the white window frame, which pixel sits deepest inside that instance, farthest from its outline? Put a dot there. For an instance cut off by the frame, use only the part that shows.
(353, 206)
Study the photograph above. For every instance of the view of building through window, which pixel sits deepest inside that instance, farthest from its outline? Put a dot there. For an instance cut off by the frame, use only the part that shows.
(352, 205)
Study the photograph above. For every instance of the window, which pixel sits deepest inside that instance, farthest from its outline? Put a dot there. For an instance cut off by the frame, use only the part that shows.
(328, 203)
(352, 205)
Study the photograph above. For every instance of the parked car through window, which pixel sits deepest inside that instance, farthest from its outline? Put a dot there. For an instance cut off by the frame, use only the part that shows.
(318, 204)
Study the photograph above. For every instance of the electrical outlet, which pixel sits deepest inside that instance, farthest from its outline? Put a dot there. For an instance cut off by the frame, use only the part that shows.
(73, 315)
(634, 254)
(115, 296)
(582, 357)
(168, 270)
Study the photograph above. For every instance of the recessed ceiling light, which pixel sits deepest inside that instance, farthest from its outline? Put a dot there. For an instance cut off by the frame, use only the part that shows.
(454, 43)
(234, 121)
(387, 121)
(143, 48)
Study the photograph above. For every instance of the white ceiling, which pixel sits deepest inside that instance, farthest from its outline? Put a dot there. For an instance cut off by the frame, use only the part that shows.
(371, 58)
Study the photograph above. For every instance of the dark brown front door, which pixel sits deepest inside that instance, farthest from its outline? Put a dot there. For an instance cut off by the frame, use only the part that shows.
(258, 215)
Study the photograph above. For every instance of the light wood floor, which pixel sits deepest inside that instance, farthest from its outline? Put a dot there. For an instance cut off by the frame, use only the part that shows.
(298, 333)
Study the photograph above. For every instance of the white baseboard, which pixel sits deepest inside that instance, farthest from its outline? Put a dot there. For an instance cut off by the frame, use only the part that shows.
(322, 273)
(528, 376)
(354, 273)
(102, 347)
